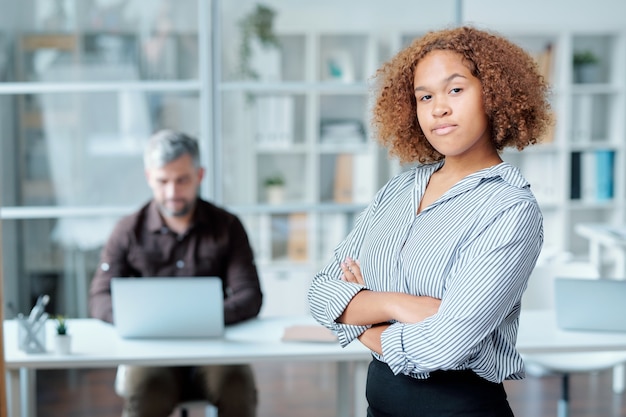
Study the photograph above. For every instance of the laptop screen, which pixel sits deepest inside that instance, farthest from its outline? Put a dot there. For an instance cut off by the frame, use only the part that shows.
(168, 307)
(590, 304)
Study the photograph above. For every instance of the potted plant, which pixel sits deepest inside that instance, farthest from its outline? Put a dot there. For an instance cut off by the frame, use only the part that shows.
(585, 67)
(275, 189)
(259, 52)
(62, 340)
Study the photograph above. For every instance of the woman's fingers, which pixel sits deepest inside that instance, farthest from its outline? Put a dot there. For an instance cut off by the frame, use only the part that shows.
(352, 271)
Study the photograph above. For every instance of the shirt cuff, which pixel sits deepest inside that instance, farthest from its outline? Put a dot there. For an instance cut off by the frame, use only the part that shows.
(393, 349)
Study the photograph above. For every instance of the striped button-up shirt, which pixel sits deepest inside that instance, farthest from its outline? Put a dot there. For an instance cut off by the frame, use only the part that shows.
(474, 248)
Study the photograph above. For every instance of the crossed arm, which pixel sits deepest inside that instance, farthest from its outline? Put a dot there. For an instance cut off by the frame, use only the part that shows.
(378, 308)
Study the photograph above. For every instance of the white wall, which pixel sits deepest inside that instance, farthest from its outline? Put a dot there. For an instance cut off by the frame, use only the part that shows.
(357, 15)
(546, 14)
(347, 15)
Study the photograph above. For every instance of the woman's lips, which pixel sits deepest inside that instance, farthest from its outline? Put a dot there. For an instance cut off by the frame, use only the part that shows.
(443, 129)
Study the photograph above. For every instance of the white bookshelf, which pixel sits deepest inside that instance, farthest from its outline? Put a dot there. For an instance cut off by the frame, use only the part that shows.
(569, 174)
(321, 103)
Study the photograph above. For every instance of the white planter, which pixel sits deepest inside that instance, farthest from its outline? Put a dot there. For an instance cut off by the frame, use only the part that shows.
(62, 344)
(275, 194)
(265, 61)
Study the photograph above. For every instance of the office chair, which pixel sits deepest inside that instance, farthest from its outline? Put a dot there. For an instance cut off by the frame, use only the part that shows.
(120, 389)
(539, 295)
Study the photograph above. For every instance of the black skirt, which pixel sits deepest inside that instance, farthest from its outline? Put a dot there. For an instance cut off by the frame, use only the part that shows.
(444, 393)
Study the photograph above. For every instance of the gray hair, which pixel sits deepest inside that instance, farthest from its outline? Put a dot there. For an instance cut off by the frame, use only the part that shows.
(166, 146)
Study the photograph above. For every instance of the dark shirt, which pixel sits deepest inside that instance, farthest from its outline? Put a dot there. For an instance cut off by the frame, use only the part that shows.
(216, 244)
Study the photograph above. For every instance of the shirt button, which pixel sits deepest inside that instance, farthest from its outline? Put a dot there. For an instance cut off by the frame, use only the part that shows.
(104, 266)
(180, 264)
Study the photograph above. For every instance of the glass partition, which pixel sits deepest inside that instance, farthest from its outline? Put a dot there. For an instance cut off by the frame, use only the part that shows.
(86, 148)
(129, 39)
(83, 84)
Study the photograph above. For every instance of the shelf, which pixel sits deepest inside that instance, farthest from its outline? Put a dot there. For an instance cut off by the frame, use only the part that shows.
(590, 89)
(293, 87)
(594, 146)
(592, 205)
(98, 87)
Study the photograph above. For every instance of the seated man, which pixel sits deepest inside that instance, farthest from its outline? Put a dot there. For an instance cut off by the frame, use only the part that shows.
(179, 234)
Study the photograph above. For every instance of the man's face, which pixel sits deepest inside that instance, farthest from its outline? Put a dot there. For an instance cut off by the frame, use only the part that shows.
(175, 186)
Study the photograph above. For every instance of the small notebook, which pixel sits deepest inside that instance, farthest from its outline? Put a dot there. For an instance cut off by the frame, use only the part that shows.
(168, 307)
(309, 333)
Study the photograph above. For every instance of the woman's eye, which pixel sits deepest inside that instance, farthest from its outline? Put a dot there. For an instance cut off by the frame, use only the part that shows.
(424, 98)
(456, 90)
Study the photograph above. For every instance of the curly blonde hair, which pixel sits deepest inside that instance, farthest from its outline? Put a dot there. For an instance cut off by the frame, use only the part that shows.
(515, 95)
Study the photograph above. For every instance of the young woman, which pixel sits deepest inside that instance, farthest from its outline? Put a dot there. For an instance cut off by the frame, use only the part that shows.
(431, 277)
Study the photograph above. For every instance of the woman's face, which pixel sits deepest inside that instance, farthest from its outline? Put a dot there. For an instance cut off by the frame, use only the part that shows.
(450, 107)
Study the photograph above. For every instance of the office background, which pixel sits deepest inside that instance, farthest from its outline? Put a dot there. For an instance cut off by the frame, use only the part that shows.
(84, 83)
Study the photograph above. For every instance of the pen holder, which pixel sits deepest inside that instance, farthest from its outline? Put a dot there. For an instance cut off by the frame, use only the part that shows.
(31, 336)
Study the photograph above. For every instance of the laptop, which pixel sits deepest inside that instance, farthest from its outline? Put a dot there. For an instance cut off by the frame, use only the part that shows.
(590, 304)
(168, 307)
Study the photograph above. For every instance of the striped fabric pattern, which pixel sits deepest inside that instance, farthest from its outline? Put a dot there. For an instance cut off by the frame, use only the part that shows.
(474, 248)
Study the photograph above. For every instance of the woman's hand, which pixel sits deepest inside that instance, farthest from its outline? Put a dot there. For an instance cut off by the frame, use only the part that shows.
(404, 308)
(352, 271)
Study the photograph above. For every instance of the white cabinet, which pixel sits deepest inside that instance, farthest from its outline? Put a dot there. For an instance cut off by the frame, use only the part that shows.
(596, 108)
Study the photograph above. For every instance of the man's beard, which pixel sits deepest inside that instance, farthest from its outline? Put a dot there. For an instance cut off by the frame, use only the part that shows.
(185, 210)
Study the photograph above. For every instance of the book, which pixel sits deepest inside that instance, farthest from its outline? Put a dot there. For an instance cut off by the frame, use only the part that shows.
(363, 178)
(540, 171)
(545, 62)
(355, 180)
(575, 175)
(297, 238)
(342, 131)
(604, 173)
(588, 176)
(343, 178)
(274, 121)
(592, 175)
(334, 228)
(308, 333)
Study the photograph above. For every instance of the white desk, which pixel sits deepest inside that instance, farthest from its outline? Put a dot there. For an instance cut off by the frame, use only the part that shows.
(96, 345)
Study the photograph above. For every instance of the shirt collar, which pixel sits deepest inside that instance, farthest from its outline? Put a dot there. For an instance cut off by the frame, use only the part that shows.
(507, 172)
(504, 170)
